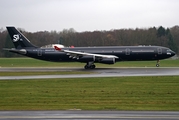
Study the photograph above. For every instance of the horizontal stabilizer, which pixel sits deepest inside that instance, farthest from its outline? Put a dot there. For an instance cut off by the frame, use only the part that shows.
(21, 51)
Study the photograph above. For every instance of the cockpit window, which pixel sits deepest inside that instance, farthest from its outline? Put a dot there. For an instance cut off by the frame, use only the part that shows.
(169, 50)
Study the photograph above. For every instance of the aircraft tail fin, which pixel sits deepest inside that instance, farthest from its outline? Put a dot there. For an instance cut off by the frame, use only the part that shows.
(18, 39)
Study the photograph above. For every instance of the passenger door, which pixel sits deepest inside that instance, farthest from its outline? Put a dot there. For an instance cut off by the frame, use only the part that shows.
(39, 52)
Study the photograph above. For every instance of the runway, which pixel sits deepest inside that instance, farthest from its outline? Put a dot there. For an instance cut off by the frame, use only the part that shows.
(90, 115)
(99, 72)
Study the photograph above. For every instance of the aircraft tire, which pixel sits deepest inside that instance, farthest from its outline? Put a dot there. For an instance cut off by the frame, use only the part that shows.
(86, 67)
(92, 67)
(157, 65)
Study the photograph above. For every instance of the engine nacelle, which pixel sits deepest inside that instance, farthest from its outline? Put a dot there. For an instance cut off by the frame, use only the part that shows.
(108, 60)
(86, 58)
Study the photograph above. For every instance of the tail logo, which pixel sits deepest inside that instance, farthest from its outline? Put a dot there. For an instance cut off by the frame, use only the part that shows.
(16, 38)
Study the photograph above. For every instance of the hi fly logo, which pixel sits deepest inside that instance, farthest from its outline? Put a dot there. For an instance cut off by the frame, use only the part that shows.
(16, 37)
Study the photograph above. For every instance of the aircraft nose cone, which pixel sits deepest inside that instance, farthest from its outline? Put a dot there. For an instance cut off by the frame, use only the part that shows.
(172, 53)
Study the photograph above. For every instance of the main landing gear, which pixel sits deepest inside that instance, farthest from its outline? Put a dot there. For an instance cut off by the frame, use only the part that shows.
(89, 65)
(158, 63)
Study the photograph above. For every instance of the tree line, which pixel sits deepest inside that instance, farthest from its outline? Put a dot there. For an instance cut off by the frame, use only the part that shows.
(168, 37)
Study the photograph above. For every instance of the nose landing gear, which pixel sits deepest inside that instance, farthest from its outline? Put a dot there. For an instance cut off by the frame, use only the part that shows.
(158, 63)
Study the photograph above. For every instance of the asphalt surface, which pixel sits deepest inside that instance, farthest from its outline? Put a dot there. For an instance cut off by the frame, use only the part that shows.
(89, 115)
(99, 72)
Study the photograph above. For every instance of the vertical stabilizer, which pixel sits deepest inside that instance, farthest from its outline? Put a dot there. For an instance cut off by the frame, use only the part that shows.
(18, 39)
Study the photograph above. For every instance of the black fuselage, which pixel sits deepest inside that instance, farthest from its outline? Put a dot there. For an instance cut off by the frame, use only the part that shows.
(124, 53)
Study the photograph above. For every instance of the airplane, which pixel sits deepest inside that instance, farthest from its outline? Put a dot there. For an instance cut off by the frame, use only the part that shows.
(88, 55)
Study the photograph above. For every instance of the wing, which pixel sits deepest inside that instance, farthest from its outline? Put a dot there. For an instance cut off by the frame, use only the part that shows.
(75, 54)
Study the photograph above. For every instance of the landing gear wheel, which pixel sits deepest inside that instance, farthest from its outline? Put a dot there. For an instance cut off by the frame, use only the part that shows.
(86, 67)
(157, 65)
(90, 65)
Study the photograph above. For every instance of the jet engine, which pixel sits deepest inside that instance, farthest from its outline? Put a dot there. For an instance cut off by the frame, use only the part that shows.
(108, 60)
(86, 58)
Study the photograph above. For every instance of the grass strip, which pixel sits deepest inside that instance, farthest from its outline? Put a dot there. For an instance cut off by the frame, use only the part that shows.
(44, 73)
(116, 93)
(29, 62)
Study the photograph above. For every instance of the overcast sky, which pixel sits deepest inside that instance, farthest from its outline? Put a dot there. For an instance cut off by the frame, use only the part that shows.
(88, 15)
